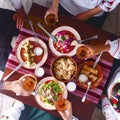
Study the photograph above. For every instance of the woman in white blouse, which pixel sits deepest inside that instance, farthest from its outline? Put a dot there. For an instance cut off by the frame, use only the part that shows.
(92, 11)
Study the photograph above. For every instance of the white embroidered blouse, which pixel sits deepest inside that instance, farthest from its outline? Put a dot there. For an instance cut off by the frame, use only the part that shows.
(10, 4)
(78, 6)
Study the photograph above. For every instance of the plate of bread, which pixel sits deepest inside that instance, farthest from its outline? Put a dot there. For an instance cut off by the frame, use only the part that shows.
(86, 73)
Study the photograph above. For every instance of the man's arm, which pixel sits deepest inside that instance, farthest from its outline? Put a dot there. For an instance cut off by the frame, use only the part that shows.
(88, 14)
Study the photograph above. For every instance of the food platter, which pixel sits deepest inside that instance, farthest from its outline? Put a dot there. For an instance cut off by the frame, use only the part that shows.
(47, 101)
(64, 35)
(99, 75)
(29, 44)
(64, 68)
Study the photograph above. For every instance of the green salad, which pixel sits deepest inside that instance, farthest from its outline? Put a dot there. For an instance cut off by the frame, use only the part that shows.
(50, 92)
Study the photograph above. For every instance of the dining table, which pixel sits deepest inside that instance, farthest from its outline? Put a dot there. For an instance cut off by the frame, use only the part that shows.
(82, 110)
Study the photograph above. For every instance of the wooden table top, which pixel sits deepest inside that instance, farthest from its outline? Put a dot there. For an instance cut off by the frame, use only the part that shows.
(82, 110)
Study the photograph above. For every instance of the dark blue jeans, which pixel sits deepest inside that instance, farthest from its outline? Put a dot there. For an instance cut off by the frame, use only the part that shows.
(7, 31)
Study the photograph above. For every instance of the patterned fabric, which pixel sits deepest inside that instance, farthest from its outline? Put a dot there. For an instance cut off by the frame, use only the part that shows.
(14, 112)
(109, 5)
(93, 94)
(114, 48)
(108, 110)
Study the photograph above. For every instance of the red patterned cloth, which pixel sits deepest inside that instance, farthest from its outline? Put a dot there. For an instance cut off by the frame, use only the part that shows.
(93, 94)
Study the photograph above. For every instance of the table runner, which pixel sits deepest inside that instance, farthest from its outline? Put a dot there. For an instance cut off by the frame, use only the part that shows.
(93, 94)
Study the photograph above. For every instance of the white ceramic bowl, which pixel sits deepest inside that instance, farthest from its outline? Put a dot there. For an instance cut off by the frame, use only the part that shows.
(42, 57)
(64, 28)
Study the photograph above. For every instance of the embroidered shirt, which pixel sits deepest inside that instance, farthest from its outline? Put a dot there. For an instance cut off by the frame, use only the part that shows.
(114, 48)
(10, 4)
(78, 6)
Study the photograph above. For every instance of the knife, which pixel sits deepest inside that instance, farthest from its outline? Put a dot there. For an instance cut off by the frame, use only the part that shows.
(97, 60)
(18, 67)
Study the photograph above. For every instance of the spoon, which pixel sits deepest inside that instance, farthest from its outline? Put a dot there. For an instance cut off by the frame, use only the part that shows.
(50, 35)
(35, 35)
(84, 97)
(76, 42)
(89, 83)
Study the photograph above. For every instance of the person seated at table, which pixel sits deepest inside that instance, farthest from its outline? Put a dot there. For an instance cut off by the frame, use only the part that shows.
(29, 113)
(112, 47)
(10, 23)
(20, 111)
(111, 102)
(92, 11)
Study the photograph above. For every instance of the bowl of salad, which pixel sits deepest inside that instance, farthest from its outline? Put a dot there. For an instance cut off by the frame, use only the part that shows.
(64, 35)
(49, 90)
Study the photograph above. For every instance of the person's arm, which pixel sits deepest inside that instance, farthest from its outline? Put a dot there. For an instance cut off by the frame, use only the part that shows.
(67, 114)
(88, 14)
(53, 10)
(19, 16)
(14, 86)
(14, 112)
(55, 3)
(87, 51)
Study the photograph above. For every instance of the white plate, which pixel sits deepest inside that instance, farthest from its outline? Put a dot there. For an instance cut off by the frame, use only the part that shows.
(67, 28)
(41, 62)
(37, 97)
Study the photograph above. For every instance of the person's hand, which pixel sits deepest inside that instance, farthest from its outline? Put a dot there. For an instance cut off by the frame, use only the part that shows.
(19, 17)
(16, 87)
(67, 114)
(87, 51)
(53, 11)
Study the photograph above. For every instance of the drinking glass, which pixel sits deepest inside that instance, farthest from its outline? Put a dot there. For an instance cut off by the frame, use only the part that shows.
(51, 20)
(28, 82)
(61, 104)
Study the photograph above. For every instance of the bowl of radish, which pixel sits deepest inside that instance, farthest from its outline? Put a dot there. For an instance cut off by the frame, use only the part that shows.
(64, 36)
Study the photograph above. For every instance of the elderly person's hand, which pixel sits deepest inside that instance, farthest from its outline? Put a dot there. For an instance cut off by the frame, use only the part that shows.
(20, 17)
(87, 51)
(67, 114)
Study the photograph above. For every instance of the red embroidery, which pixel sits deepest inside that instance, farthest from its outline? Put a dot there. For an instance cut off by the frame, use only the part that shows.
(111, 2)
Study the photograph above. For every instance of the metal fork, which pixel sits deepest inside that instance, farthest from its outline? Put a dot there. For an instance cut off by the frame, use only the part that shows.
(51, 36)
(76, 42)
(35, 35)
(90, 38)
(89, 83)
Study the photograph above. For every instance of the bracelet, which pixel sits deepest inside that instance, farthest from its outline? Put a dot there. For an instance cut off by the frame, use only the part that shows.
(1, 84)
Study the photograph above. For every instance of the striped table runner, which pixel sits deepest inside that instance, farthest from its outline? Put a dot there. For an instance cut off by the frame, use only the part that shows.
(93, 95)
